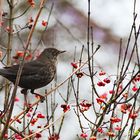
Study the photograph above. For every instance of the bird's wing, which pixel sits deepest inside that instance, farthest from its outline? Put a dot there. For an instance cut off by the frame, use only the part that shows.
(29, 68)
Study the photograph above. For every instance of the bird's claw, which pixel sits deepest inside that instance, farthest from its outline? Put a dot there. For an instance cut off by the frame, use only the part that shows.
(24, 91)
(42, 98)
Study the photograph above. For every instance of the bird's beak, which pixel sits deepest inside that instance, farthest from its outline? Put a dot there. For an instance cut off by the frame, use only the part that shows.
(62, 51)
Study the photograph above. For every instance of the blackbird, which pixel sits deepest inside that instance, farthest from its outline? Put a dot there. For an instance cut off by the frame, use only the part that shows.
(36, 73)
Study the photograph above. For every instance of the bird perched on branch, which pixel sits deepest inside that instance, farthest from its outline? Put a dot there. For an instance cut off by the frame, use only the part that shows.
(35, 74)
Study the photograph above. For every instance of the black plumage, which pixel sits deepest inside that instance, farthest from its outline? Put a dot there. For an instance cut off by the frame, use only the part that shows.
(37, 73)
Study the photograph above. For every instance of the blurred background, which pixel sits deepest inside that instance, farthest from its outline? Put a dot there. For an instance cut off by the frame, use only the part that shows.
(67, 30)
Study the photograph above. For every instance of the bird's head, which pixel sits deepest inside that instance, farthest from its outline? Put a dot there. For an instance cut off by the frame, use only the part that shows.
(50, 53)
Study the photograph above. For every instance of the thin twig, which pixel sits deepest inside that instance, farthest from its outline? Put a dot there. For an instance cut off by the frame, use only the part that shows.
(29, 136)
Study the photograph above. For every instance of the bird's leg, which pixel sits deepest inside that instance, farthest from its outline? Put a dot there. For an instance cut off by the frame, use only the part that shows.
(24, 92)
(42, 98)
